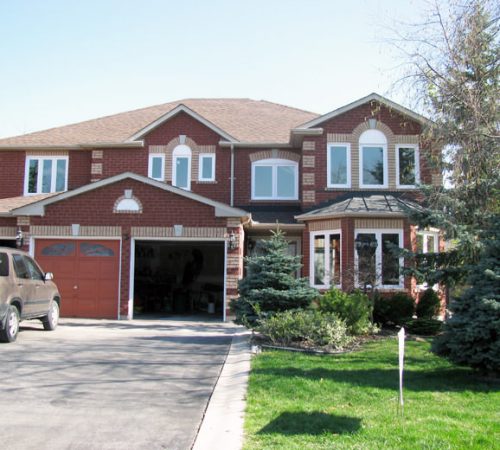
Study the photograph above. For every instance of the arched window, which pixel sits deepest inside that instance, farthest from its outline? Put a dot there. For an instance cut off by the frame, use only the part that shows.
(181, 167)
(373, 159)
(275, 179)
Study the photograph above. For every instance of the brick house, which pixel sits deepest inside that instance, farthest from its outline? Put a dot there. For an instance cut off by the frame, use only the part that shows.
(152, 210)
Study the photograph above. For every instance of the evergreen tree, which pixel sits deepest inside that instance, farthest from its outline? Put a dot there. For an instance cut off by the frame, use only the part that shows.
(271, 284)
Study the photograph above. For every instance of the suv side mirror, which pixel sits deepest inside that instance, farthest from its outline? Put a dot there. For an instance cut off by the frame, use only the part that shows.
(49, 276)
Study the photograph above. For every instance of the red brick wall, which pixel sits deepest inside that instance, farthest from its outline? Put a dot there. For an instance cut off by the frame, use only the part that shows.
(12, 166)
(119, 160)
(79, 168)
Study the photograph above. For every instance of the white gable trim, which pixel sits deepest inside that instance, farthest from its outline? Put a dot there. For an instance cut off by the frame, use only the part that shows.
(372, 97)
(174, 112)
(38, 208)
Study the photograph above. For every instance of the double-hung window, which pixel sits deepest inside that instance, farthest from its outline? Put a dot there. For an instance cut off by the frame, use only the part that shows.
(339, 165)
(206, 167)
(325, 259)
(46, 174)
(376, 261)
(407, 168)
(373, 172)
(181, 167)
(274, 179)
(156, 169)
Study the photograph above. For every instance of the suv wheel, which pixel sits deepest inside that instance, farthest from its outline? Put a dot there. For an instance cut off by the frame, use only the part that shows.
(9, 333)
(51, 320)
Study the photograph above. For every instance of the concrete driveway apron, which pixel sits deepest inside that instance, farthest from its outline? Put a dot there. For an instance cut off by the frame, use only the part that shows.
(109, 384)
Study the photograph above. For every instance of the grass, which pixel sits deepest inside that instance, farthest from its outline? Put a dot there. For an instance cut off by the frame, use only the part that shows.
(350, 401)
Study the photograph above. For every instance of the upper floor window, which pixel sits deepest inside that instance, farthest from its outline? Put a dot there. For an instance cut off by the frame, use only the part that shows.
(339, 165)
(46, 174)
(156, 169)
(407, 170)
(373, 159)
(181, 167)
(206, 169)
(275, 179)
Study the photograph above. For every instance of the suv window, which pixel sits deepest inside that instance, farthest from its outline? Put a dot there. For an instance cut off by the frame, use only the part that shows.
(4, 265)
(20, 267)
(34, 271)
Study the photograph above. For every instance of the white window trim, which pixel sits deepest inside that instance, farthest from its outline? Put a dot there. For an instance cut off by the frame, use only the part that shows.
(40, 159)
(274, 163)
(181, 151)
(150, 166)
(417, 166)
(329, 164)
(326, 234)
(201, 157)
(378, 256)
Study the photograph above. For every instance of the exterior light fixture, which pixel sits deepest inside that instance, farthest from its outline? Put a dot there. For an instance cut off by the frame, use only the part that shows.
(232, 241)
(19, 238)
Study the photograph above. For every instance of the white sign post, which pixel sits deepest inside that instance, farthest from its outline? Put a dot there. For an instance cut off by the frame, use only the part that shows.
(401, 341)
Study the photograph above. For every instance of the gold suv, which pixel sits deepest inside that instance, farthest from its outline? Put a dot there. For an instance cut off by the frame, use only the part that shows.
(25, 293)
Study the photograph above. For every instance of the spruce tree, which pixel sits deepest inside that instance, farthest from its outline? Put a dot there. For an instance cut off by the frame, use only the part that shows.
(271, 284)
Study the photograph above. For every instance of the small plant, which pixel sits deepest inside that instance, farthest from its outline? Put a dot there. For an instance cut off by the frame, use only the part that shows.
(394, 310)
(428, 305)
(354, 308)
(306, 327)
(424, 327)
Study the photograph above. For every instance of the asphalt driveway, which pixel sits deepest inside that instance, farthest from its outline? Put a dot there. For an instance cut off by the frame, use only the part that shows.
(109, 384)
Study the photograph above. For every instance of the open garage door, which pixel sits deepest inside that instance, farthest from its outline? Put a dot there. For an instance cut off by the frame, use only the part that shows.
(86, 273)
(179, 277)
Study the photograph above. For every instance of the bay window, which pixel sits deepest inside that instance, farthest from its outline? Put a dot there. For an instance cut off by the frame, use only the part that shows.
(325, 259)
(339, 165)
(46, 174)
(274, 179)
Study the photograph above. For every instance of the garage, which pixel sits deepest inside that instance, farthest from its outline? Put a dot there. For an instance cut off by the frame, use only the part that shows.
(178, 278)
(86, 273)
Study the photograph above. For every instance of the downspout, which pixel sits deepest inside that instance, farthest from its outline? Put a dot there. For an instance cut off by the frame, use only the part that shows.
(231, 201)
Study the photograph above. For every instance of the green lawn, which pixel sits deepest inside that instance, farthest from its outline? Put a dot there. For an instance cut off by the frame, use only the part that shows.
(299, 401)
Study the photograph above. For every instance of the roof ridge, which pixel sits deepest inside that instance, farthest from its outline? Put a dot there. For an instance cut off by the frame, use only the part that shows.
(288, 107)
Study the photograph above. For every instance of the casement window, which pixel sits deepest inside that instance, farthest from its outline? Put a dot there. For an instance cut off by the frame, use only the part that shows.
(375, 262)
(407, 167)
(338, 165)
(181, 167)
(206, 167)
(325, 259)
(427, 242)
(156, 169)
(274, 179)
(45, 174)
(373, 171)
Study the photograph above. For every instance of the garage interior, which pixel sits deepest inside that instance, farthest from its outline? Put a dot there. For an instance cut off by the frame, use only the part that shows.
(178, 278)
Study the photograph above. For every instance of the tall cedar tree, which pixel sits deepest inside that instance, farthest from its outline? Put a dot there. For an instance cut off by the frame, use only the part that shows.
(271, 284)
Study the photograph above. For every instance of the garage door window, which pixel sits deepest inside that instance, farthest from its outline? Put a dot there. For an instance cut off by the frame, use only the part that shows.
(87, 249)
(60, 249)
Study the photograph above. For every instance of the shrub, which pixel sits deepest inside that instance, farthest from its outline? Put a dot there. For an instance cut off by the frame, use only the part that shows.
(355, 309)
(394, 310)
(429, 304)
(271, 284)
(310, 327)
(424, 327)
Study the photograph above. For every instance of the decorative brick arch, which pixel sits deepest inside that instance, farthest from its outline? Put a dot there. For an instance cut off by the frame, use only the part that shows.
(274, 154)
(131, 199)
(195, 151)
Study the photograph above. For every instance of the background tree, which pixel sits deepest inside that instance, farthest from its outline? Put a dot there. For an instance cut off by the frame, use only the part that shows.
(271, 284)
(453, 61)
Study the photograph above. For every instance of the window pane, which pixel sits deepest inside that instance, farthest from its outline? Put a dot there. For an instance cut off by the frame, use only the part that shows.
(206, 168)
(286, 182)
(61, 175)
(373, 165)
(420, 243)
(34, 271)
(157, 167)
(338, 165)
(366, 259)
(335, 258)
(46, 175)
(431, 242)
(181, 172)
(319, 260)
(390, 261)
(19, 267)
(4, 265)
(33, 176)
(263, 181)
(407, 166)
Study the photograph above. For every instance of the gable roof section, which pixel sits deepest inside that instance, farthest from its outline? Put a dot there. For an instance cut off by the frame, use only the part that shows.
(372, 97)
(238, 119)
(9, 204)
(38, 207)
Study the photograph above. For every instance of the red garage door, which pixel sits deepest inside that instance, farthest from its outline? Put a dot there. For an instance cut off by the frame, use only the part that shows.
(86, 273)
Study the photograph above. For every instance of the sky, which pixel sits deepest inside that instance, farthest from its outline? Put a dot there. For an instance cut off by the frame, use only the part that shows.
(65, 61)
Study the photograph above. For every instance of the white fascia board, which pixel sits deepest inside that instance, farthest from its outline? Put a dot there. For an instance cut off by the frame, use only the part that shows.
(174, 112)
(38, 208)
(362, 101)
(307, 131)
